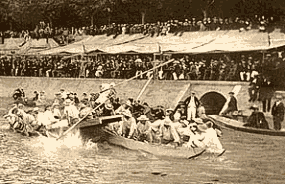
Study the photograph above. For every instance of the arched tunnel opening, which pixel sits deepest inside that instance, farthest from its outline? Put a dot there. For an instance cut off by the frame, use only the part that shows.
(213, 102)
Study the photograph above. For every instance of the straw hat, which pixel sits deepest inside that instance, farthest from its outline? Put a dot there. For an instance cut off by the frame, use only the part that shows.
(231, 93)
(143, 118)
(109, 106)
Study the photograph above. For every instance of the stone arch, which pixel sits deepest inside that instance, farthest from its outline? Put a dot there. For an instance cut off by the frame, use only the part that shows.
(213, 102)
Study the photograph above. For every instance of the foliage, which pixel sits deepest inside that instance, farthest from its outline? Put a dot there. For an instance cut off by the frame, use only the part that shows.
(25, 14)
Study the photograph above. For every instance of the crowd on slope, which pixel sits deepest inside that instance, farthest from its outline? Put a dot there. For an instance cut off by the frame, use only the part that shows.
(139, 121)
(227, 67)
(65, 35)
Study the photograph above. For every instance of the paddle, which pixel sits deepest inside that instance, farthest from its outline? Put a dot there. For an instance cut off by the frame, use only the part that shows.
(196, 155)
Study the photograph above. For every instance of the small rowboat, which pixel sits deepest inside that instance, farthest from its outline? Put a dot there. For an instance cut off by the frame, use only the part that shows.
(237, 125)
(158, 150)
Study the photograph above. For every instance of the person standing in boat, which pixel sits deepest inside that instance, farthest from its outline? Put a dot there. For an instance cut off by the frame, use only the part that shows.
(256, 119)
(192, 104)
(232, 105)
(278, 112)
(70, 112)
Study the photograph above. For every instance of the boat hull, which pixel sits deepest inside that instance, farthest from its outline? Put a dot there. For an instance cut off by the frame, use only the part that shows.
(237, 125)
(158, 150)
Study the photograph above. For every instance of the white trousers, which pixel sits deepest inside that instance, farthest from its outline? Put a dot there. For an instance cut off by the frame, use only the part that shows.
(191, 113)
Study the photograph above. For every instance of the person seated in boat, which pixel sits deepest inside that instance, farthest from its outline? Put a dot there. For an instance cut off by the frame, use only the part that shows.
(113, 92)
(256, 119)
(85, 97)
(70, 112)
(231, 104)
(128, 125)
(138, 109)
(158, 112)
(204, 136)
(47, 118)
(84, 109)
(16, 123)
(57, 98)
(76, 99)
(201, 112)
(108, 110)
(19, 93)
(42, 98)
(123, 108)
(21, 107)
(93, 98)
(56, 111)
(143, 130)
(63, 94)
(168, 132)
(115, 102)
(37, 94)
(104, 93)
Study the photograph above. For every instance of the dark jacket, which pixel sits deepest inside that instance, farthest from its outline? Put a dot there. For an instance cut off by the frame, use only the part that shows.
(266, 91)
(257, 120)
(187, 101)
(233, 104)
(278, 110)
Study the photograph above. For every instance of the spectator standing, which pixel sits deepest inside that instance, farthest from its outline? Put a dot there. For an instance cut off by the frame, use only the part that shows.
(266, 93)
(278, 112)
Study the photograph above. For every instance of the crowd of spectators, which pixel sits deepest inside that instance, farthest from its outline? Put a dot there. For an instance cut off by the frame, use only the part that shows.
(67, 35)
(222, 67)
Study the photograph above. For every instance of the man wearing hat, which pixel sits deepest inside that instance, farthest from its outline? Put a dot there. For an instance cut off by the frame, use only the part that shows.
(278, 112)
(70, 112)
(129, 124)
(63, 94)
(143, 129)
(232, 104)
(256, 119)
(192, 104)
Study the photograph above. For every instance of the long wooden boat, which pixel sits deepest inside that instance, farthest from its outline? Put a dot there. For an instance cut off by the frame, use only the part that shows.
(238, 125)
(158, 150)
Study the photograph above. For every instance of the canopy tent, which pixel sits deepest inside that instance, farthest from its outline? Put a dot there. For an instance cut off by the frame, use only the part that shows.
(188, 42)
(33, 46)
(11, 46)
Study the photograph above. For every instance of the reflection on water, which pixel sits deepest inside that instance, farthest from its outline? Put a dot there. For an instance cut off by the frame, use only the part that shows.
(249, 158)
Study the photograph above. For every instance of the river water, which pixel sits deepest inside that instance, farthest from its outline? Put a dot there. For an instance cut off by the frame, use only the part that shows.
(250, 158)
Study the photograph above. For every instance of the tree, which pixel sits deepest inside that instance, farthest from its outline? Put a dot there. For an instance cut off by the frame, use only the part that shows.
(203, 5)
(144, 5)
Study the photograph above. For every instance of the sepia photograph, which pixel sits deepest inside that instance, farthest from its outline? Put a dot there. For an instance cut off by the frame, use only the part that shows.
(142, 91)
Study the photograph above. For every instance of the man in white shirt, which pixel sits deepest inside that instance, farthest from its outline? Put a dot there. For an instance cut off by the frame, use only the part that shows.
(192, 104)
(70, 112)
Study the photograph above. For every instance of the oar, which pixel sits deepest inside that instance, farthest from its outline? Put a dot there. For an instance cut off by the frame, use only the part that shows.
(143, 89)
(73, 126)
(196, 155)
